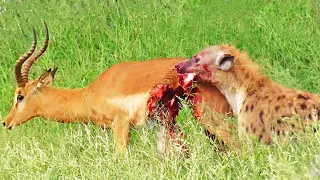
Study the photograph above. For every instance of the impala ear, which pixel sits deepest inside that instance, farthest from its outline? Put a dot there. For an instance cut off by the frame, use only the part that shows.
(225, 61)
(46, 78)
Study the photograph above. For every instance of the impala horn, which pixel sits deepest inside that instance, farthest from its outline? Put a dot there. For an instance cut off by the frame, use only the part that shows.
(27, 65)
(22, 59)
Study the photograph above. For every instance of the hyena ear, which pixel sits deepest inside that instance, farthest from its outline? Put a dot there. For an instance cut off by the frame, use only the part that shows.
(225, 61)
(46, 78)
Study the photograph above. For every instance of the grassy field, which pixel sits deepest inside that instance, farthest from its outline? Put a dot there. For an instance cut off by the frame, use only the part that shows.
(89, 36)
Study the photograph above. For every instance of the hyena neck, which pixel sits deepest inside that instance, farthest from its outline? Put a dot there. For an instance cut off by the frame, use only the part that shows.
(238, 87)
(235, 96)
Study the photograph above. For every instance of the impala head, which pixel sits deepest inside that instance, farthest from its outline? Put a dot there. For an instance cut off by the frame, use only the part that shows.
(26, 98)
(211, 60)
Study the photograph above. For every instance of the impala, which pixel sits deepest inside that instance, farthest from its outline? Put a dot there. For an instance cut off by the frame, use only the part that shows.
(124, 96)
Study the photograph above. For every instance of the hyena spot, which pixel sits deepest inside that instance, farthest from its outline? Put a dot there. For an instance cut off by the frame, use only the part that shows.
(261, 116)
(303, 106)
(302, 97)
(281, 97)
(277, 108)
(254, 130)
(252, 106)
(272, 128)
(251, 93)
(210, 136)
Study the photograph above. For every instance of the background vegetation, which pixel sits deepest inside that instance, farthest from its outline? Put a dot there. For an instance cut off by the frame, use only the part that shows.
(89, 36)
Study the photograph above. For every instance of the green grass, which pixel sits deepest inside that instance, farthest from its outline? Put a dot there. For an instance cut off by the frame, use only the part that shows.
(89, 36)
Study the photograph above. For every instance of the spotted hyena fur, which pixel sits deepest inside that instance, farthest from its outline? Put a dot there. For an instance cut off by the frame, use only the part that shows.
(264, 108)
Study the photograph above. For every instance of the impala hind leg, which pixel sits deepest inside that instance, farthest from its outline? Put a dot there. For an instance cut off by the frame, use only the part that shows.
(121, 129)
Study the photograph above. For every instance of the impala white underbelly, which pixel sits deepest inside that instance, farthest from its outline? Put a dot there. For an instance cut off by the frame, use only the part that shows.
(135, 105)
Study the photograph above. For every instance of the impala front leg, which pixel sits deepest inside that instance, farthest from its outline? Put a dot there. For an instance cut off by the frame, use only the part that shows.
(121, 128)
(163, 139)
(170, 131)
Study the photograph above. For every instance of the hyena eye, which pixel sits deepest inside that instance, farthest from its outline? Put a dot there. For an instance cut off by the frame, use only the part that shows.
(20, 98)
(196, 59)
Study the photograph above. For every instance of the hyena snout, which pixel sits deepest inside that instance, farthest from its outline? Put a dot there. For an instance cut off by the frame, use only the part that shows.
(183, 67)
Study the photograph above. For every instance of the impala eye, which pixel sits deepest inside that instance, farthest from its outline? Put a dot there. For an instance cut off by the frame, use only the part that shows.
(20, 98)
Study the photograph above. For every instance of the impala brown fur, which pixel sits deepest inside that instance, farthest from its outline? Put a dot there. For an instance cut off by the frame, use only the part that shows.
(265, 109)
(117, 98)
(214, 110)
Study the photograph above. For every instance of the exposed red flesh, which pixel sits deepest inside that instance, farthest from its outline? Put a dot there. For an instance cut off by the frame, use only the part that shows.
(193, 93)
(186, 79)
(164, 102)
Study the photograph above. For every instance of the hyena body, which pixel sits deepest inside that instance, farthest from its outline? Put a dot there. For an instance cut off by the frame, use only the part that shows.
(264, 108)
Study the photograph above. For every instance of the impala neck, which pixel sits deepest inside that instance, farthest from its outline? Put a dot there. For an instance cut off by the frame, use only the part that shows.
(64, 105)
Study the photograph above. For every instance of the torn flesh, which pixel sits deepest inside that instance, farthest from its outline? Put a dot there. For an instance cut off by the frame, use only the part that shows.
(193, 93)
(186, 79)
(164, 105)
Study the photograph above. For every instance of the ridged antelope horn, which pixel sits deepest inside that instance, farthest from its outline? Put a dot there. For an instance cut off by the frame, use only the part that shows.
(22, 59)
(27, 65)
